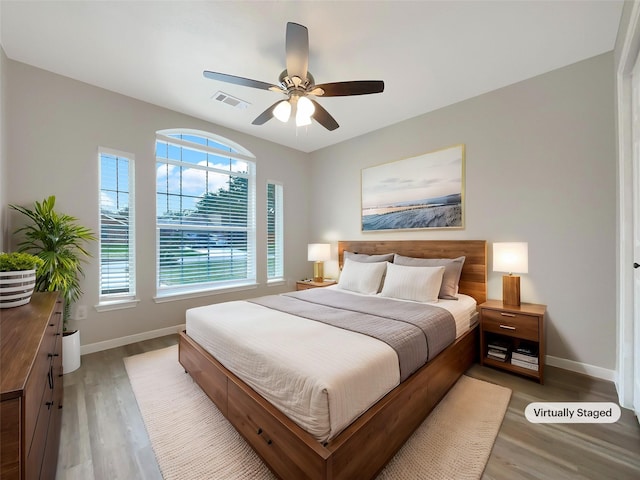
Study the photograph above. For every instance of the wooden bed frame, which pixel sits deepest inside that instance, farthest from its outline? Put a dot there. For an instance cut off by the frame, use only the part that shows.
(364, 448)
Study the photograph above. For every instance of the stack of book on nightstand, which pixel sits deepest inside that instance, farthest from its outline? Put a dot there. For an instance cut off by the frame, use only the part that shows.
(498, 350)
(525, 356)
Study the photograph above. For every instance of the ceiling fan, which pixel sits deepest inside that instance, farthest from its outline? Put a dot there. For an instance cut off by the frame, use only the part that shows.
(299, 85)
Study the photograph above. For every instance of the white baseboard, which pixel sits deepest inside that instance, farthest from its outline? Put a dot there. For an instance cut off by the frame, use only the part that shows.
(138, 337)
(573, 366)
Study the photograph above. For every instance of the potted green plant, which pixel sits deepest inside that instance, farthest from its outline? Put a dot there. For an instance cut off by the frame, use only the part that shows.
(17, 278)
(59, 242)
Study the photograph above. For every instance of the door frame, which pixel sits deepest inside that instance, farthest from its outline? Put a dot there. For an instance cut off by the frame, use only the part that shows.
(628, 358)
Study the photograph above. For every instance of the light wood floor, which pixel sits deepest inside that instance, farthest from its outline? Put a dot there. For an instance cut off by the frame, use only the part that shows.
(103, 435)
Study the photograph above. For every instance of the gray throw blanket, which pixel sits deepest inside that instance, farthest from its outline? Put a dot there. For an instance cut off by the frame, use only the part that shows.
(417, 332)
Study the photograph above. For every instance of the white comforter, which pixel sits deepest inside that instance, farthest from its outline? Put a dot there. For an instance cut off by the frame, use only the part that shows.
(320, 376)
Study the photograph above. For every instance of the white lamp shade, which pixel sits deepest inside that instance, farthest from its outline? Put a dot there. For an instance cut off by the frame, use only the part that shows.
(318, 252)
(302, 121)
(282, 111)
(305, 109)
(511, 257)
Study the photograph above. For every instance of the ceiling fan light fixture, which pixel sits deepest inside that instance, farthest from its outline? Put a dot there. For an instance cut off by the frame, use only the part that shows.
(305, 107)
(302, 120)
(282, 111)
(304, 110)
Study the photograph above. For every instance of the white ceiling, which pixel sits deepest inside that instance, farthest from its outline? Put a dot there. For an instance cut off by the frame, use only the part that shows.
(430, 54)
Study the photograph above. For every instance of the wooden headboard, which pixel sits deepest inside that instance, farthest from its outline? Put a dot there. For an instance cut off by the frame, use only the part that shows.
(473, 279)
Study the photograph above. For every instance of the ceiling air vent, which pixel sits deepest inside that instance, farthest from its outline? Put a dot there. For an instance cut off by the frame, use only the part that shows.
(229, 100)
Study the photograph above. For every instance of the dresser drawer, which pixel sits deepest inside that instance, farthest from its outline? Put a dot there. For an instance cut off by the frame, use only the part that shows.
(39, 440)
(11, 448)
(37, 390)
(513, 324)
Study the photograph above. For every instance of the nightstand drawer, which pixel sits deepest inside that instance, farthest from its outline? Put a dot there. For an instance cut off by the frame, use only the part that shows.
(512, 324)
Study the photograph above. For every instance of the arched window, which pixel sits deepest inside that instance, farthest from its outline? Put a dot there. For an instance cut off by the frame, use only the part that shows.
(205, 213)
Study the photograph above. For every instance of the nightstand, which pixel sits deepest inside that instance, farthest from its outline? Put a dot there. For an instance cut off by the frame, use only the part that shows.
(305, 285)
(512, 338)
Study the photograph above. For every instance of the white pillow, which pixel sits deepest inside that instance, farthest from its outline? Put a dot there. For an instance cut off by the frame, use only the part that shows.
(420, 284)
(362, 277)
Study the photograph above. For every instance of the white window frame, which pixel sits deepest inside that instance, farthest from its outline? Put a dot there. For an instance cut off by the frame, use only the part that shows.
(127, 299)
(164, 293)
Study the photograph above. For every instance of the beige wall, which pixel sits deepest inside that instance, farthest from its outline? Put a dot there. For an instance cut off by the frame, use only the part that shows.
(3, 152)
(56, 125)
(540, 168)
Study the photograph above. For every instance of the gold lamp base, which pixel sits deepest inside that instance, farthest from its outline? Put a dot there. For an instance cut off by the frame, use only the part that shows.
(318, 272)
(511, 290)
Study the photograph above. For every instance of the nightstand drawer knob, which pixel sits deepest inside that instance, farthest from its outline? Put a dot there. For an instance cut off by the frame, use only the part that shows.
(507, 327)
(507, 314)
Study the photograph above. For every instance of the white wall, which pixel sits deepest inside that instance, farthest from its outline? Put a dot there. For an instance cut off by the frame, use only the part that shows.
(540, 168)
(56, 125)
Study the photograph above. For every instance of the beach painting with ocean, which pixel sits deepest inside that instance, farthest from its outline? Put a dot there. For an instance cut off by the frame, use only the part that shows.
(426, 191)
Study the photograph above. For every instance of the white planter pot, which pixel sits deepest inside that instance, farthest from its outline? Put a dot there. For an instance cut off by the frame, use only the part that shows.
(70, 351)
(16, 288)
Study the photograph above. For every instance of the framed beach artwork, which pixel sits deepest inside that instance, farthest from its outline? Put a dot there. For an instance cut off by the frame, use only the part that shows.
(426, 191)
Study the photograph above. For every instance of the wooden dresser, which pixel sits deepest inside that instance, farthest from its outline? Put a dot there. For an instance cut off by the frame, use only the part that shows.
(31, 388)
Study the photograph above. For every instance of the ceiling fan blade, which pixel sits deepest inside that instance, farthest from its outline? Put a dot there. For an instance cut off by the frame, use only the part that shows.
(358, 87)
(297, 48)
(265, 116)
(323, 117)
(245, 82)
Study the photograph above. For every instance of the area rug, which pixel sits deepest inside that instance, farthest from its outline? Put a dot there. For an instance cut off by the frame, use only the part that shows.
(192, 439)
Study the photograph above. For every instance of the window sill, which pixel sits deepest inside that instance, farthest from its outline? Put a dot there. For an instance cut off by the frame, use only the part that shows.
(203, 293)
(276, 282)
(116, 305)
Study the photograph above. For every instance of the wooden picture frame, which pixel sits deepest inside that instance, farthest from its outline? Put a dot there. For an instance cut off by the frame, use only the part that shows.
(426, 191)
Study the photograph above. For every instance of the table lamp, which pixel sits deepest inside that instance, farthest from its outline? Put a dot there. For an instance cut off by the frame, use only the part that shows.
(511, 257)
(318, 253)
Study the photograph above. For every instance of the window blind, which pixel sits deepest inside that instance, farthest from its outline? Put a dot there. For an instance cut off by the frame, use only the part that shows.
(275, 233)
(205, 203)
(117, 226)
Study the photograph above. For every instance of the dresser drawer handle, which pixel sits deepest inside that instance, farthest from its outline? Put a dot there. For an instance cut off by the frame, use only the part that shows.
(507, 314)
(507, 327)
